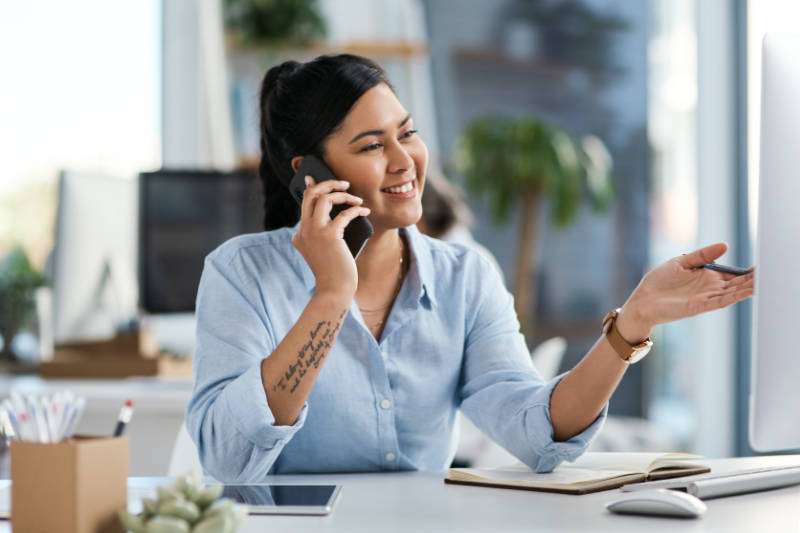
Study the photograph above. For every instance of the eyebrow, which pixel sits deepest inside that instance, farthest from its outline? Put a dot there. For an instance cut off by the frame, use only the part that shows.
(378, 132)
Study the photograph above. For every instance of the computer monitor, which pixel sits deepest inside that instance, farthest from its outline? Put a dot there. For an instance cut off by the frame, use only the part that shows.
(94, 257)
(184, 215)
(775, 375)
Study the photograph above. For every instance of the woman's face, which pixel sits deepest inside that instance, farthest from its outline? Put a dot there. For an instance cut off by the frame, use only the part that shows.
(377, 149)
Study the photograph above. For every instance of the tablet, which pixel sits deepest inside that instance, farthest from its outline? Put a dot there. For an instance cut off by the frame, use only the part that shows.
(284, 499)
(258, 499)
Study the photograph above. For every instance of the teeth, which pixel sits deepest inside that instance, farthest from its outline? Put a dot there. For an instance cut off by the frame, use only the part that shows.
(403, 188)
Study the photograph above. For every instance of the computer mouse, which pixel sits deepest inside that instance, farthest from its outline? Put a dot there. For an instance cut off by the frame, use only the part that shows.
(659, 502)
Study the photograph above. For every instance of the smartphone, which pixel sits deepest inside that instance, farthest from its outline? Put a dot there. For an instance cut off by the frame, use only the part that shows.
(358, 230)
(736, 271)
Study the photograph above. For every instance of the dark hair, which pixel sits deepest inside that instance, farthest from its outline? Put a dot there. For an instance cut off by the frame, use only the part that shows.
(301, 105)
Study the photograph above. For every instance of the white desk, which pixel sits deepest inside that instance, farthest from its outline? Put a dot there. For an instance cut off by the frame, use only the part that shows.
(421, 502)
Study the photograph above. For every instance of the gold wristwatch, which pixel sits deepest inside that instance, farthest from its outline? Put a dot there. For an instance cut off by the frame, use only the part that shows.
(629, 353)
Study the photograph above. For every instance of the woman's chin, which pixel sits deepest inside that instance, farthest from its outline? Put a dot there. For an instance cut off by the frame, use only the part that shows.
(396, 219)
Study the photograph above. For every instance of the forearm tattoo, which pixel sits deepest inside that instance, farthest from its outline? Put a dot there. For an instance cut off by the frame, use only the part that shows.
(311, 354)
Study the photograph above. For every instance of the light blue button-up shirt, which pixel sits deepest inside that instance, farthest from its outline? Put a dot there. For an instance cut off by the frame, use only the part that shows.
(451, 341)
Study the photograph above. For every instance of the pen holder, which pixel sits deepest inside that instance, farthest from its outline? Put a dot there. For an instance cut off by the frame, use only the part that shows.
(74, 486)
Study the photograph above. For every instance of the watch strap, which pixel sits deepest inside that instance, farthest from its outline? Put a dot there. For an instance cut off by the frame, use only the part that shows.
(623, 348)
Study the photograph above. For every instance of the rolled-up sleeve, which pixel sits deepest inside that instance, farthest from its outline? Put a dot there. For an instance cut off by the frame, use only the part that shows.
(228, 416)
(501, 392)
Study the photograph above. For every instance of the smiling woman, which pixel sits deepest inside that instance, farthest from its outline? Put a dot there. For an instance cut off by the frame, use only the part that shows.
(308, 360)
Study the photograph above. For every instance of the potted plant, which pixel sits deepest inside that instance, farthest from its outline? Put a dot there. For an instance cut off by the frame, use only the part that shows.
(274, 23)
(18, 283)
(521, 162)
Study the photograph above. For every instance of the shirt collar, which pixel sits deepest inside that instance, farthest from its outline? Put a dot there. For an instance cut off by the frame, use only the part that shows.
(421, 272)
(421, 262)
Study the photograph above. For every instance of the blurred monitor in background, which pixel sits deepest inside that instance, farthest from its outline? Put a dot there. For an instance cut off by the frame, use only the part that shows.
(774, 393)
(94, 258)
(183, 216)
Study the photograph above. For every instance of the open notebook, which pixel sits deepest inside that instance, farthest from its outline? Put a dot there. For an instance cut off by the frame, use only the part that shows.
(592, 472)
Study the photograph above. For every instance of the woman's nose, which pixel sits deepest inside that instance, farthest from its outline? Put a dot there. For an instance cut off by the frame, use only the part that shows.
(399, 158)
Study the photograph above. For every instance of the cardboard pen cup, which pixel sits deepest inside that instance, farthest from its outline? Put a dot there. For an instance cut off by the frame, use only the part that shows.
(74, 486)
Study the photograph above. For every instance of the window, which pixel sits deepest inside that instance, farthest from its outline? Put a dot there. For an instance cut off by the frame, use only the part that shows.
(581, 66)
(81, 90)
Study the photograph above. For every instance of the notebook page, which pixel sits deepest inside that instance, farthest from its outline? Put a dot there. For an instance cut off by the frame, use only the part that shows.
(638, 462)
(676, 460)
(564, 476)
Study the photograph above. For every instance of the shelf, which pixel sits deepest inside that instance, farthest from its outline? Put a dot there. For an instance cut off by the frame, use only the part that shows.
(496, 58)
(374, 49)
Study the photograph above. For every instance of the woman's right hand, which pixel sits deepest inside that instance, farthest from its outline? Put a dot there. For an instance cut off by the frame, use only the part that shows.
(320, 239)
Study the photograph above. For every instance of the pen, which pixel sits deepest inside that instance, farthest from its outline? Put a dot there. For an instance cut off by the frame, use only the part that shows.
(66, 414)
(46, 423)
(12, 421)
(27, 417)
(25, 430)
(6, 407)
(736, 271)
(77, 411)
(37, 418)
(124, 417)
(8, 428)
(67, 408)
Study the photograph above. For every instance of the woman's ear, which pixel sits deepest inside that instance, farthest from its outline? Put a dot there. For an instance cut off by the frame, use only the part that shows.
(296, 160)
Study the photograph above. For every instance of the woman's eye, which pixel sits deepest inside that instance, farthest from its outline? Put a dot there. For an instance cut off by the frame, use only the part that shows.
(375, 146)
(370, 147)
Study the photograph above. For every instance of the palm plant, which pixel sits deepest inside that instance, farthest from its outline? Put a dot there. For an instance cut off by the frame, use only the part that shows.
(522, 161)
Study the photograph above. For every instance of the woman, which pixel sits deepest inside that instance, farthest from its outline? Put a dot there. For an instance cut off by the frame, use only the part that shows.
(310, 361)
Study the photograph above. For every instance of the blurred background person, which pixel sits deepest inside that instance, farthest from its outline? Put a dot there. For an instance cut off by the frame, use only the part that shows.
(446, 216)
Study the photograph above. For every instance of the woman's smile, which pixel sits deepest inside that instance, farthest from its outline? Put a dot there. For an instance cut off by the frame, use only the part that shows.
(403, 191)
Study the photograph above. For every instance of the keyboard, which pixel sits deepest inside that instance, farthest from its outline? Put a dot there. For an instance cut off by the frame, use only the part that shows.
(712, 485)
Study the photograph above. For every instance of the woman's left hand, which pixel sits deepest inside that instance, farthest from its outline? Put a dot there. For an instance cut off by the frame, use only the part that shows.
(681, 287)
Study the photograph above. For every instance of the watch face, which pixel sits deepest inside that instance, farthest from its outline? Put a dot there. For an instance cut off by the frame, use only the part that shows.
(639, 353)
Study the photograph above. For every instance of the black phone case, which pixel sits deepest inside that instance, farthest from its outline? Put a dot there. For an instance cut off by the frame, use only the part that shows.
(358, 230)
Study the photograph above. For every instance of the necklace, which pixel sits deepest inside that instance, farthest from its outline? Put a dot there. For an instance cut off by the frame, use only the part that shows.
(379, 323)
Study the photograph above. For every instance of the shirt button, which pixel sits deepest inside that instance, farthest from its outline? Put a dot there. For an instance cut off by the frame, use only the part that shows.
(386, 404)
(390, 457)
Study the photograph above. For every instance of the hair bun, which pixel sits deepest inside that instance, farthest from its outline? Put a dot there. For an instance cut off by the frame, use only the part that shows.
(274, 75)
